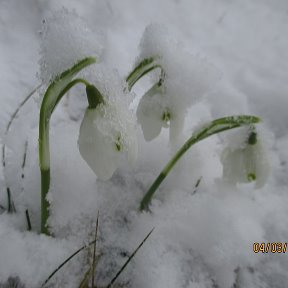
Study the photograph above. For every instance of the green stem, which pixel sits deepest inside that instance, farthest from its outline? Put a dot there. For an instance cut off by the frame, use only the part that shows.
(53, 95)
(45, 185)
(44, 152)
(214, 127)
(144, 67)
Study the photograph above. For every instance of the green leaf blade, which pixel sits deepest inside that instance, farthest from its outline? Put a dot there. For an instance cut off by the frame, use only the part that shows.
(207, 130)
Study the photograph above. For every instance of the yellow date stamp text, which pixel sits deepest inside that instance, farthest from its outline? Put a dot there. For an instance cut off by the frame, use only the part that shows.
(270, 247)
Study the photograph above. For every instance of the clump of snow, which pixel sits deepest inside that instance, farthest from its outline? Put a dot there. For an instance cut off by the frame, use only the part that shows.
(39, 253)
(226, 100)
(65, 40)
(187, 78)
(266, 89)
(108, 80)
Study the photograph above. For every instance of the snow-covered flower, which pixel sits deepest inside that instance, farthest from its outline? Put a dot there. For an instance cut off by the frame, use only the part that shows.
(107, 133)
(184, 80)
(246, 163)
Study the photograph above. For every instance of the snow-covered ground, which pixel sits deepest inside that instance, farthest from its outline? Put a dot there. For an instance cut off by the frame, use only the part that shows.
(202, 239)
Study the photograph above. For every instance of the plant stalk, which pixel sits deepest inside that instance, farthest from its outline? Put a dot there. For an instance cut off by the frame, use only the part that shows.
(144, 67)
(45, 185)
(44, 154)
(54, 93)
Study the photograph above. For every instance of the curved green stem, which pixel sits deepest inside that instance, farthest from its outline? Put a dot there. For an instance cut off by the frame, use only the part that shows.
(214, 127)
(144, 67)
(53, 95)
(44, 154)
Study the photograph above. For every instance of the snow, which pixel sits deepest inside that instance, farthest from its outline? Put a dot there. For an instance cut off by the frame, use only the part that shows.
(75, 37)
(187, 78)
(202, 239)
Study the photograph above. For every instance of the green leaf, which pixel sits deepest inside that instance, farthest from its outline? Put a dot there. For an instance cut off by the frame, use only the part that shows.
(144, 67)
(65, 262)
(128, 260)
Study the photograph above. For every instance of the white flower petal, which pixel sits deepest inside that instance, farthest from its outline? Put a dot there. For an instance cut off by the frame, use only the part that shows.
(176, 127)
(107, 133)
(151, 126)
(233, 166)
(246, 164)
(262, 165)
(98, 150)
(149, 114)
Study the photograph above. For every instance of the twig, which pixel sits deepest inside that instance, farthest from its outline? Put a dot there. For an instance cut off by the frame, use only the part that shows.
(29, 226)
(94, 251)
(197, 185)
(13, 116)
(11, 207)
(24, 158)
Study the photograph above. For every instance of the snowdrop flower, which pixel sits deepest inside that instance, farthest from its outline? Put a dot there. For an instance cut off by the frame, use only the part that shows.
(155, 112)
(152, 113)
(184, 80)
(106, 134)
(246, 163)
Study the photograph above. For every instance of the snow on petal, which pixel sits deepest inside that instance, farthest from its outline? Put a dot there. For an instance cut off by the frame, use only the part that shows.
(188, 77)
(108, 132)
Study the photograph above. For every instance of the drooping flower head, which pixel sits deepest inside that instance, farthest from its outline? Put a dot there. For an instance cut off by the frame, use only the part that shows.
(184, 80)
(246, 159)
(107, 132)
